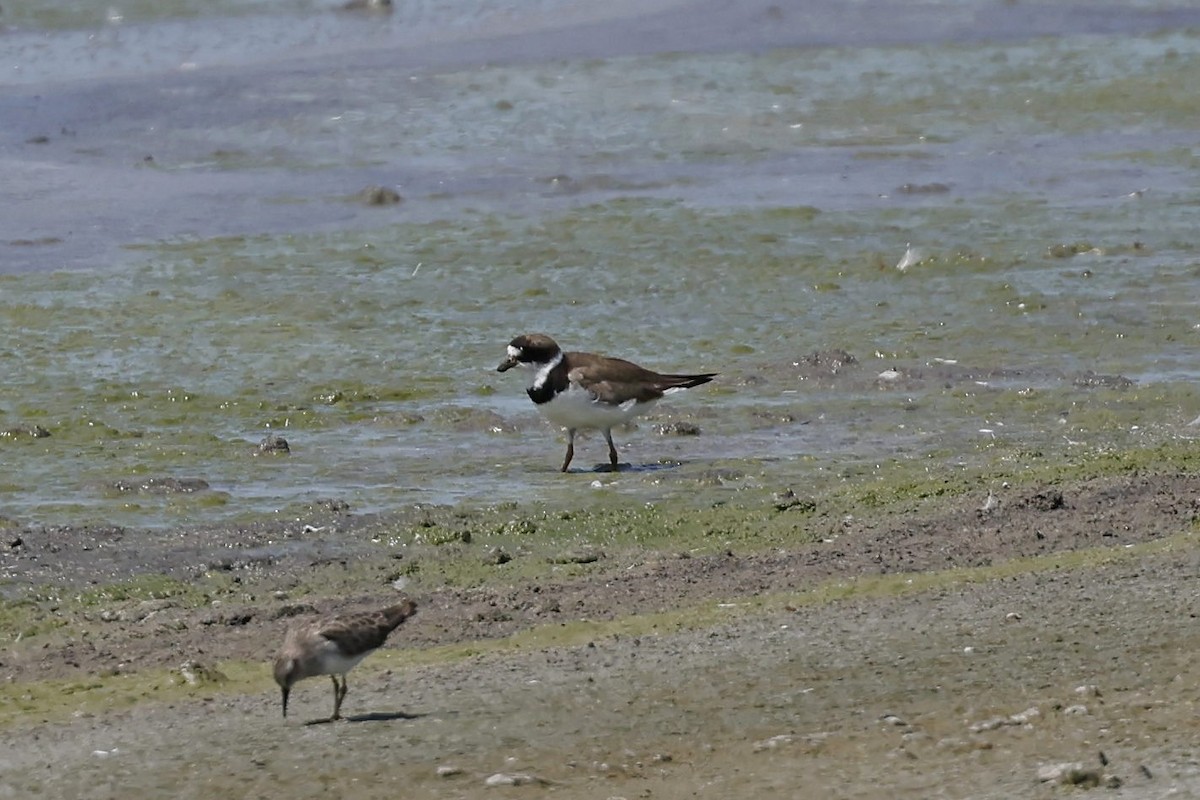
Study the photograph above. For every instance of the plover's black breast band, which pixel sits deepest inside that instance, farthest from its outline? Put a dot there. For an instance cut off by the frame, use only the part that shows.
(541, 394)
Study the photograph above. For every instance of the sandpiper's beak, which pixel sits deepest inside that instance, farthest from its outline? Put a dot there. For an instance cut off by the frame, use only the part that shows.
(507, 364)
(285, 696)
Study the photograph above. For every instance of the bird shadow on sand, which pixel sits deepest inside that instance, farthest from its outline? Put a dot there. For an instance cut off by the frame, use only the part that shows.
(373, 716)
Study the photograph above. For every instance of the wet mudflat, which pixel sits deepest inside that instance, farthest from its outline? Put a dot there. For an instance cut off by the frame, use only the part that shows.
(930, 533)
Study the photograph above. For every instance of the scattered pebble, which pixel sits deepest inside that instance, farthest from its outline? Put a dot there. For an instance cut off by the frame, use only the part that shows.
(513, 779)
(1022, 718)
(448, 771)
(774, 742)
(1069, 773)
(957, 745)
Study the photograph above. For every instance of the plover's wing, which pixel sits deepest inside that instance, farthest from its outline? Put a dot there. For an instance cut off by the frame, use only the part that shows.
(616, 390)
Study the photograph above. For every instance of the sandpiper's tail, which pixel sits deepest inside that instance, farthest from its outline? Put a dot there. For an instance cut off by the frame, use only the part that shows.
(395, 615)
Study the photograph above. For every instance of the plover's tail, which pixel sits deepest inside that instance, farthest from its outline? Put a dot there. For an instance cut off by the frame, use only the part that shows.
(673, 383)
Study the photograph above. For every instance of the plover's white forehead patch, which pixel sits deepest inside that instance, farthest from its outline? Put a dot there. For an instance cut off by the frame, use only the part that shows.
(514, 352)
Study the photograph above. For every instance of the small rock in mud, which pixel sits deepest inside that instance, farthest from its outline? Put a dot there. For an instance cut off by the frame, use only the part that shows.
(995, 723)
(496, 556)
(581, 555)
(923, 188)
(957, 745)
(233, 620)
(448, 771)
(1048, 500)
(492, 614)
(161, 486)
(677, 429)
(382, 6)
(774, 743)
(514, 779)
(274, 444)
(1091, 380)
(787, 499)
(379, 195)
(519, 527)
(773, 417)
(1070, 773)
(1069, 250)
(294, 610)
(719, 477)
(549, 606)
(196, 674)
(34, 431)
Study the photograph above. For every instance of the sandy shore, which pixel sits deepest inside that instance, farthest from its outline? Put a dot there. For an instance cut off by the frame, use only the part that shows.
(939, 650)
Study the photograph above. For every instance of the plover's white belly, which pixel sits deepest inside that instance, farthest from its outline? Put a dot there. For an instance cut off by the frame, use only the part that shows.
(578, 408)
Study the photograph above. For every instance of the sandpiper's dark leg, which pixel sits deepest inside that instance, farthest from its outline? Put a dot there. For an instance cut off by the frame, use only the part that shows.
(339, 694)
(570, 449)
(612, 450)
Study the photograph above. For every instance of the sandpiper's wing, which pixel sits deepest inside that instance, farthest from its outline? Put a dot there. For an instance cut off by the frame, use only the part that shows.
(363, 632)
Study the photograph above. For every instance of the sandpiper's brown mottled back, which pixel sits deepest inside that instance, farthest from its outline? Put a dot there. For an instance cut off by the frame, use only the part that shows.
(333, 646)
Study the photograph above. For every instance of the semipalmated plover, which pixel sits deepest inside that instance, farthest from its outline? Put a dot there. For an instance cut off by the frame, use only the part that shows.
(333, 646)
(586, 391)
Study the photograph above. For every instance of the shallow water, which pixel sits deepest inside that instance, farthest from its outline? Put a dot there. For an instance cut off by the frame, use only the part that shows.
(186, 267)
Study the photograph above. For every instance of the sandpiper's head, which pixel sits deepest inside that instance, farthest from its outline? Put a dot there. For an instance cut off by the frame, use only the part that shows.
(286, 673)
(530, 350)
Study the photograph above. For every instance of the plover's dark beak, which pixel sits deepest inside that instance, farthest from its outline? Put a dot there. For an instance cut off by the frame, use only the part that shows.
(285, 696)
(507, 364)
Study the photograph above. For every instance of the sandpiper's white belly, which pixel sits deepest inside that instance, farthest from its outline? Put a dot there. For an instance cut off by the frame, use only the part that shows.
(333, 660)
(578, 408)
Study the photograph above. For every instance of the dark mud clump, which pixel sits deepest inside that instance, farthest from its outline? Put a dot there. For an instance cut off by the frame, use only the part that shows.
(165, 485)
